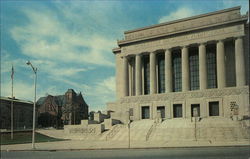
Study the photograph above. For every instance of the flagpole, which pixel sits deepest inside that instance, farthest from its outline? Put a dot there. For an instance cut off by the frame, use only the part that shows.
(12, 76)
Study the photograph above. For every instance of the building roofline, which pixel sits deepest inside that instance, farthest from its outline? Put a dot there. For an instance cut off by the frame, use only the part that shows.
(116, 50)
(183, 19)
(124, 42)
(16, 100)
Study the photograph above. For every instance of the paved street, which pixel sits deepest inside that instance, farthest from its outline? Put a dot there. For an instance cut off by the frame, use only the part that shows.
(166, 153)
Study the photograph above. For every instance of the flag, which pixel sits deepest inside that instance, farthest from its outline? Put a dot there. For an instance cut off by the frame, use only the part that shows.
(12, 72)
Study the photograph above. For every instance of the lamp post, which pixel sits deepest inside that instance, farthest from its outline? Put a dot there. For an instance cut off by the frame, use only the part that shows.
(128, 129)
(34, 107)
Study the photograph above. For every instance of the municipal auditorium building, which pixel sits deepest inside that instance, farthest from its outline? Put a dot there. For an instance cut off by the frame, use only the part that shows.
(196, 66)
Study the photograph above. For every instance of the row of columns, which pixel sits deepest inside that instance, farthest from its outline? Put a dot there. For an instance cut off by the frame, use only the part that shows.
(220, 62)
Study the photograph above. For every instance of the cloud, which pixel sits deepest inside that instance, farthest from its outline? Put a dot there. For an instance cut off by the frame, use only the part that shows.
(23, 90)
(59, 71)
(178, 14)
(104, 91)
(233, 3)
(47, 37)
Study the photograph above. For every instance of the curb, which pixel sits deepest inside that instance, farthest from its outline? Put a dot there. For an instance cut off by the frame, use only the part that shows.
(133, 148)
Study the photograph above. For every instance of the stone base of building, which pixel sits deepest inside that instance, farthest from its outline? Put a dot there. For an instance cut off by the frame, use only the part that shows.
(230, 102)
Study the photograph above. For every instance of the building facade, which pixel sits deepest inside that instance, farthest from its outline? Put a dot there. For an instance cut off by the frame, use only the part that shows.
(22, 114)
(67, 109)
(193, 65)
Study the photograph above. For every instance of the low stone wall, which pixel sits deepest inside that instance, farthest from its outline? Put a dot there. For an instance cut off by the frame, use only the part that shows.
(110, 122)
(99, 117)
(92, 129)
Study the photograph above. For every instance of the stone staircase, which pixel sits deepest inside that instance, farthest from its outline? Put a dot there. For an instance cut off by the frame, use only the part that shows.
(210, 129)
(138, 131)
(217, 129)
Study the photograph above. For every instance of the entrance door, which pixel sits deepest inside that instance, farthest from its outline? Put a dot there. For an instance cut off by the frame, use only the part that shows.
(177, 110)
(145, 112)
(162, 110)
(213, 108)
(195, 108)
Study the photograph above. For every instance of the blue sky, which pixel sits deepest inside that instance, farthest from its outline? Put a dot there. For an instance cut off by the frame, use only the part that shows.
(70, 42)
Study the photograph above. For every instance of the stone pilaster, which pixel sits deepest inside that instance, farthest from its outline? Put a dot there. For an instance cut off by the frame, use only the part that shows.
(125, 77)
(138, 75)
(168, 71)
(185, 69)
(220, 62)
(240, 62)
(152, 73)
(202, 67)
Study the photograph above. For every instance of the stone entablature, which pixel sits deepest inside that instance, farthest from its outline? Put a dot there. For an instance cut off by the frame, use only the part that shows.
(186, 24)
(209, 93)
(187, 39)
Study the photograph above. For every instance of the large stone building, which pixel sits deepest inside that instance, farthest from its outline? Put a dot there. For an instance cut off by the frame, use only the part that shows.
(56, 111)
(196, 65)
(22, 113)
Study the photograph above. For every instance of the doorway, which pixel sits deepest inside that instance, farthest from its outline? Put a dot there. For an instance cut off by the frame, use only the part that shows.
(145, 112)
(162, 110)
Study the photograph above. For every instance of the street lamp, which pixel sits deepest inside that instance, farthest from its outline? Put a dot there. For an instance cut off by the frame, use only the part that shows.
(34, 107)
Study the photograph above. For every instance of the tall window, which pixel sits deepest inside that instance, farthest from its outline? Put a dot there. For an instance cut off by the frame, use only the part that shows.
(194, 68)
(230, 63)
(176, 62)
(146, 75)
(211, 66)
(161, 73)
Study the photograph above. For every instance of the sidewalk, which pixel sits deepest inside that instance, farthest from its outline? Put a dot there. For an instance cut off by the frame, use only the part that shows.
(80, 145)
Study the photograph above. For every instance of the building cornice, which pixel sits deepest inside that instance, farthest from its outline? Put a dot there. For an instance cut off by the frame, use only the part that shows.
(184, 19)
(116, 50)
(125, 42)
(190, 24)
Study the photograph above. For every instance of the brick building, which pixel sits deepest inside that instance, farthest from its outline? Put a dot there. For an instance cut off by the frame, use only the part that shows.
(56, 111)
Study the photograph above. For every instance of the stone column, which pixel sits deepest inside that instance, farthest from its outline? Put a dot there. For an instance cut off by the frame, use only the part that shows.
(185, 69)
(152, 73)
(239, 62)
(220, 62)
(202, 67)
(138, 75)
(168, 71)
(125, 77)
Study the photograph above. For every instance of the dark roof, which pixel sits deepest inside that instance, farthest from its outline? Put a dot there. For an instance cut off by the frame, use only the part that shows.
(41, 100)
(71, 90)
(60, 100)
(16, 100)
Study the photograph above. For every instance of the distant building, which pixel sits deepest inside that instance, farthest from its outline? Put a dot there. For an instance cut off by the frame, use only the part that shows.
(23, 113)
(56, 111)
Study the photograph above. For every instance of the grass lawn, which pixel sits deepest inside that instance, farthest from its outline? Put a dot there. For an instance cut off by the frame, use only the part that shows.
(25, 137)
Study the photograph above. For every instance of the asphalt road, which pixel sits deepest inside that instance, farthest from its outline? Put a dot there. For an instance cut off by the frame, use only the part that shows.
(164, 153)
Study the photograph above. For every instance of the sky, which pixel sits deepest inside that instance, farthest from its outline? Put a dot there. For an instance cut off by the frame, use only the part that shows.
(70, 42)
